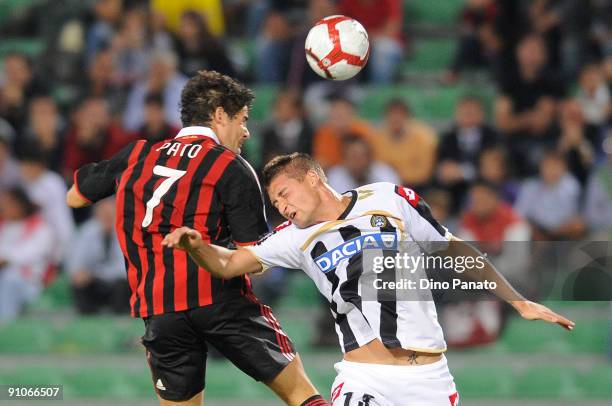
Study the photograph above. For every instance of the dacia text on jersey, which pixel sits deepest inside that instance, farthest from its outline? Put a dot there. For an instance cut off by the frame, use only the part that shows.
(328, 261)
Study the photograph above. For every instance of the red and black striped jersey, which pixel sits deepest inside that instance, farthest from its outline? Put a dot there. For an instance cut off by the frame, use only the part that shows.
(191, 181)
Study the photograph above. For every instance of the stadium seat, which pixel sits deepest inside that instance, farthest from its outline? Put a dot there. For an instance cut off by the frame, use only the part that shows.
(26, 336)
(590, 336)
(546, 382)
(433, 104)
(596, 383)
(484, 382)
(439, 12)
(264, 100)
(429, 55)
(28, 46)
(522, 336)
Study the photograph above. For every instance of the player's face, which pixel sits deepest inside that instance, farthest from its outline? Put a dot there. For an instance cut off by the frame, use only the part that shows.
(296, 200)
(234, 131)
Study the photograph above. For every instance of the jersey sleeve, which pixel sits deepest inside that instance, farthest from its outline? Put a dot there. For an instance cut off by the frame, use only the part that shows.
(421, 225)
(96, 181)
(241, 197)
(278, 248)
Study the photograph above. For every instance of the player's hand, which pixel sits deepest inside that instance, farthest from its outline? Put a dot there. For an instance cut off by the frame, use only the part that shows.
(535, 311)
(183, 238)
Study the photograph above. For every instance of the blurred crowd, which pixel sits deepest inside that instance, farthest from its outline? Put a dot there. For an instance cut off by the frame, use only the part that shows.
(536, 164)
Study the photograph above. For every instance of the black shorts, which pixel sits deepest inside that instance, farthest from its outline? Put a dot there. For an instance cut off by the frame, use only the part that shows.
(243, 330)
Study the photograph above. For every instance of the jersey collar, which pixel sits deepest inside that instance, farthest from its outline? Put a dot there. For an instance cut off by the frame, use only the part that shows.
(198, 130)
(350, 206)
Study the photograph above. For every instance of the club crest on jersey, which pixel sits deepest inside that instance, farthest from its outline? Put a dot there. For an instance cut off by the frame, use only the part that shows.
(378, 221)
(328, 261)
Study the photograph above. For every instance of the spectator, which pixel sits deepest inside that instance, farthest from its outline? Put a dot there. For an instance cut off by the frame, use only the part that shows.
(358, 167)
(594, 96)
(48, 190)
(102, 82)
(46, 129)
(162, 78)
(383, 20)
(212, 10)
(107, 15)
(198, 48)
(498, 230)
(525, 110)
(96, 265)
(407, 144)
(26, 248)
(130, 48)
(577, 141)
(461, 146)
(479, 43)
(341, 121)
(551, 202)
(9, 168)
(155, 127)
(289, 131)
(440, 201)
(491, 221)
(16, 91)
(493, 168)
(598, 202)
(300, 74)
(273, 46)
(92, 137)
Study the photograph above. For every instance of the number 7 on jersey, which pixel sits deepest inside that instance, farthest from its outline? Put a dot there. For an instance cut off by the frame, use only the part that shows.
(172, 176)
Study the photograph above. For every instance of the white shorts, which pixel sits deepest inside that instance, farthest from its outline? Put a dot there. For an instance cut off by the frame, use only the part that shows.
(359, 384)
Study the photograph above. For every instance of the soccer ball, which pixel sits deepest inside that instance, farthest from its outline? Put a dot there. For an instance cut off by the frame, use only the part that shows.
(337, 47)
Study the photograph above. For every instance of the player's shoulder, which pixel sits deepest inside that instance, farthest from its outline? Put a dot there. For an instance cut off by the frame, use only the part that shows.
(381, 190)
(283, 232)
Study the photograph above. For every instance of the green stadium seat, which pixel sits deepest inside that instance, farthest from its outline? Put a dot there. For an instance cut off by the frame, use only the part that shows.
(596, 383)
(29, 46)
(430, 55)
(546, 382)
(438, 12)
(522, 336)
(589, 336)
(44, 375)
(264, 100)
(25, 336)
(427, 103)
(484, 382)
(56, 296)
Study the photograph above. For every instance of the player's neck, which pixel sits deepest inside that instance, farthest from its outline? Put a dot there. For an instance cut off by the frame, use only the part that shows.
(333, 204)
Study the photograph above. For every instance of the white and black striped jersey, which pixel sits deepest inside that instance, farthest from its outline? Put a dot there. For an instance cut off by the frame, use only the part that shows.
(378, 218)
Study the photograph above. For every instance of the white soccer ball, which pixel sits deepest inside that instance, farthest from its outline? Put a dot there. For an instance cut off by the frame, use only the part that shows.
(337, 47)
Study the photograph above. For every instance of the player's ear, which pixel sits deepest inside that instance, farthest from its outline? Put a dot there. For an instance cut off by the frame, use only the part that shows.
(220, 116)
(312, 178)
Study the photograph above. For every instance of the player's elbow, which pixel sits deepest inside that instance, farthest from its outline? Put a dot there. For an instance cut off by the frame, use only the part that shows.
(74, 200)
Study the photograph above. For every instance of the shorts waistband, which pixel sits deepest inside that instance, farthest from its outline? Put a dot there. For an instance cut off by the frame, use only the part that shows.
(397, 368)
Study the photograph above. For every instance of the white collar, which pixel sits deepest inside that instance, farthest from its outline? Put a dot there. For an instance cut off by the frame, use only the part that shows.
(198, 130)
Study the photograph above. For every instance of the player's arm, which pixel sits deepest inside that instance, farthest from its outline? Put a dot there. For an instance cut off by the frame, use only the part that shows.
(75, 199)
(527, 309)
(430, 234)
(95, 181)
(219, 261)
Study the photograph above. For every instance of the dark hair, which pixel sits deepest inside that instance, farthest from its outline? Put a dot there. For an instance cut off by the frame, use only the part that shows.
(350, 139)
(471, 98)
(294, 165)
(485, 184)
(208, 90)
(18, 194)
(34, 153)
(399, 103)
(154, 98)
